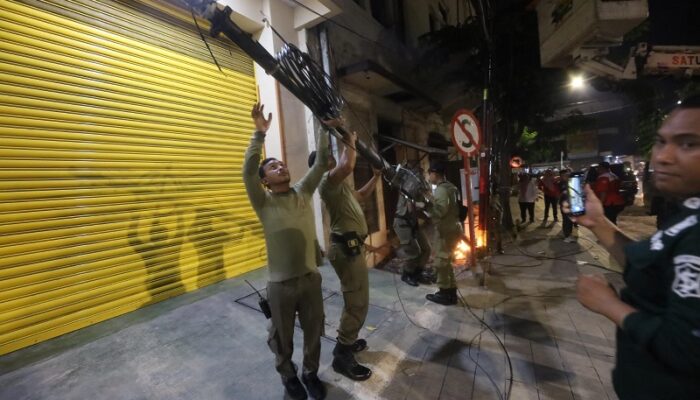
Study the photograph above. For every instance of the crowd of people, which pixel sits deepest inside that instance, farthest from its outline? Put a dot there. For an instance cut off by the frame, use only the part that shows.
(657, 313)
(553, 190)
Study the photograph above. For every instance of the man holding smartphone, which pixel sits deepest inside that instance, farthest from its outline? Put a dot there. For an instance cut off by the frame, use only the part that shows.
(658, 312)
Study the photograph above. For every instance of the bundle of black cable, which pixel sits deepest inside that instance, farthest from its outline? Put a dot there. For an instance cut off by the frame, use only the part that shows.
(315, 87)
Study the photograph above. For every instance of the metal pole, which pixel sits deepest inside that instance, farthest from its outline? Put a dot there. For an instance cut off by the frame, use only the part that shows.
(484, 172)
(486, 146)
(470, 212)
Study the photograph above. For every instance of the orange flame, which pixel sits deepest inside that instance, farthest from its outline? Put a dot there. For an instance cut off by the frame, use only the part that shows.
(462, 249)
(461, 252)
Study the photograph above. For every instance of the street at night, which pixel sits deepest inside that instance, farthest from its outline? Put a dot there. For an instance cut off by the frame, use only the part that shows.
(350, 199)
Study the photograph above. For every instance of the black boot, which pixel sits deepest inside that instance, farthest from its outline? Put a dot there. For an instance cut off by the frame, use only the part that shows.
(424, 277)
(430, 275)
(359, 345)
(316, 388)
(294, 388)
(409, 279)
(446, 297)
(344, 363)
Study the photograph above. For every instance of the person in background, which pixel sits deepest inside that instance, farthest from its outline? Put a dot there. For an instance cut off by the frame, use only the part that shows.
(414, 246)
(527, 195)
(549, 186)
(607, 189)
(566, 223)
(444, 213)
(658, 311)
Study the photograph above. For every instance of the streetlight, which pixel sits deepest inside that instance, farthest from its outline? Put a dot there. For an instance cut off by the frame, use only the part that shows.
(576, 82)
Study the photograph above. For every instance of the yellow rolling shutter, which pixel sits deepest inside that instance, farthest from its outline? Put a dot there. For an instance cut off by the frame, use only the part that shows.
(120, 159)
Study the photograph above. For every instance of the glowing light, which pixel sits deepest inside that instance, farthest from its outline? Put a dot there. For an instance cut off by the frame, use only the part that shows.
(576, 82)
(480, 238)
(461, 252)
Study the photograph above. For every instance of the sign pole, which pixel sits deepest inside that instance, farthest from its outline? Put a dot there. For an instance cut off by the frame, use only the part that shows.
(467, 138)
(470, 212)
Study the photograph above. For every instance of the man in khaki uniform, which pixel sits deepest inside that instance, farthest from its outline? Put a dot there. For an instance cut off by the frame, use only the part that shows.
(444, 212)
(414, 246)
(347, 255)
(294, 284)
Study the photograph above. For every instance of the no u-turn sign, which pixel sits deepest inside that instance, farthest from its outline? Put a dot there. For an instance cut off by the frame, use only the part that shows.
(466, 132)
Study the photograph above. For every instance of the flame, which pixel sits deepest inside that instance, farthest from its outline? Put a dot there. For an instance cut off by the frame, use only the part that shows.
(460, 252)
(480, 238)
(462, 249)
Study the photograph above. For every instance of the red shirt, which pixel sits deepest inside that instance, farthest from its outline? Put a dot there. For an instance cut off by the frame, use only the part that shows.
(550, 186)
(609, 184)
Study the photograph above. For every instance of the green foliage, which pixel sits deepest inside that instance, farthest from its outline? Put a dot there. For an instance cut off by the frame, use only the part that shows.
(527, 138)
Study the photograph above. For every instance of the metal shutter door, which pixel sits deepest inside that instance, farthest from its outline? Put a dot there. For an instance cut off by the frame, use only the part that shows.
(120, 164)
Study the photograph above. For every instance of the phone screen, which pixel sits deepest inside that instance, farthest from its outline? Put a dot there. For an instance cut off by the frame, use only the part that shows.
(577, 198)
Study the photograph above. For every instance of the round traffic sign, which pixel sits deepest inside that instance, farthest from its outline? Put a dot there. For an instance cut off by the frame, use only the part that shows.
(516, 162)
(466, 132)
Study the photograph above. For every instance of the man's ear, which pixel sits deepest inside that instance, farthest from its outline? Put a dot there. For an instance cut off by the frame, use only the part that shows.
(264, 182)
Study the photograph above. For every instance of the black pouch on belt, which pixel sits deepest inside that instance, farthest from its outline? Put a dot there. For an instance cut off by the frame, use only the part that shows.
(350, 242)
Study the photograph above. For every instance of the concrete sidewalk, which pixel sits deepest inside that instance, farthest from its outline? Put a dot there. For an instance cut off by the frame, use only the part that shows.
(211, 344)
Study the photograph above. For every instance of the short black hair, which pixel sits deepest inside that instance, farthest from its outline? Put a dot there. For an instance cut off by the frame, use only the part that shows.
(604, 164)
(437, 167)
(312, 158)
(692, 101)
(263, 163)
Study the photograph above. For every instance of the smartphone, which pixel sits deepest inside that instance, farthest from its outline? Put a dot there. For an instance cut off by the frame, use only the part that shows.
(577, 196)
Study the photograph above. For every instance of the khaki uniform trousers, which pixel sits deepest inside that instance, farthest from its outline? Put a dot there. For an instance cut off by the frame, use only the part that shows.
(287, 298)
(414, 245)
(354, 283)
(442, 262)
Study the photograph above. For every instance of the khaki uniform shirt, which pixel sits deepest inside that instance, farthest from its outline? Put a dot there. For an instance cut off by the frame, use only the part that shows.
(287, 218)
(344, 209)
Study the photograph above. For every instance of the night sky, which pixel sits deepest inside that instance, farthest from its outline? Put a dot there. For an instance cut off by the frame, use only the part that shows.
(674, 22)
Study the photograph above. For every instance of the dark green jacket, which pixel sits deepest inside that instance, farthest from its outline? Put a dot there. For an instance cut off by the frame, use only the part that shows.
(658, 347)
(444, 211)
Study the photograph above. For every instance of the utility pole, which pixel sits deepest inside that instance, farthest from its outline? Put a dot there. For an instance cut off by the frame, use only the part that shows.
(485, 153)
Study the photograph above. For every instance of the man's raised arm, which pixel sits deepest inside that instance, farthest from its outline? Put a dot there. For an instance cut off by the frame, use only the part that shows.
(251, 163)
(313, 176)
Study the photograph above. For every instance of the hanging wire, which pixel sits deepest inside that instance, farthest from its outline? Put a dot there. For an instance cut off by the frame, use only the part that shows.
(201, 35)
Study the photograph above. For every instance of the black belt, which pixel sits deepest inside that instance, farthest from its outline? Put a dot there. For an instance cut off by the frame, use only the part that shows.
(338, 238)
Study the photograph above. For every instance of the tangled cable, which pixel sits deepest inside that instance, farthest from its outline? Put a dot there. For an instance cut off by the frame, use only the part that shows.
(315, 87)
